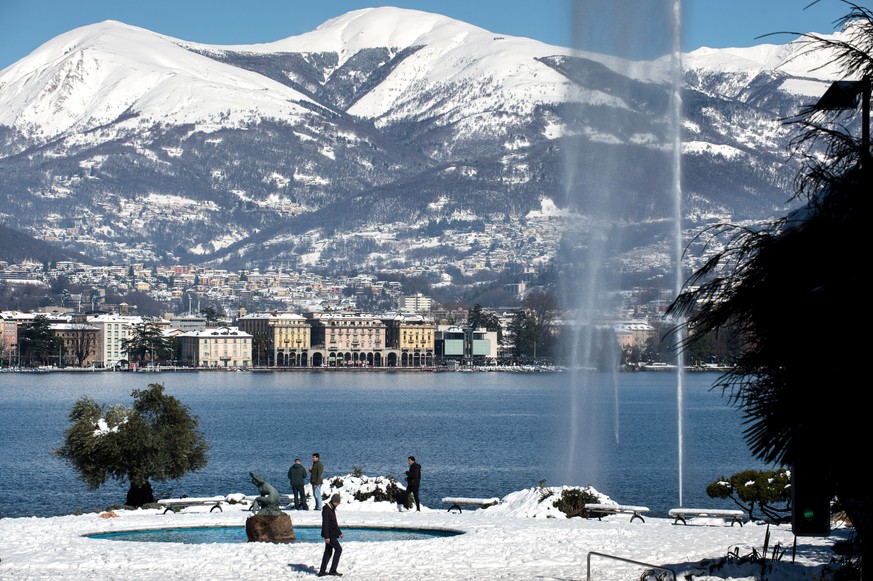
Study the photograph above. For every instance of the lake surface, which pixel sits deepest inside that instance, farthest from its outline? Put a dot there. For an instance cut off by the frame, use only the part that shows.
(475, 434)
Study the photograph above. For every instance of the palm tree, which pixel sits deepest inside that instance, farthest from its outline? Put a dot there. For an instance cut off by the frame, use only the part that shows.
(793, 291)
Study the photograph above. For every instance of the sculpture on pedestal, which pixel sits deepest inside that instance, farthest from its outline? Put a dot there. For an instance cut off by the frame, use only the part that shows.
(268, 524)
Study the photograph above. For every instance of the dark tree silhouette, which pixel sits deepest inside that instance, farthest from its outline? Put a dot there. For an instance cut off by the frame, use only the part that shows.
(793, 291)
(147, 342)
(37, 342)
(479, 318)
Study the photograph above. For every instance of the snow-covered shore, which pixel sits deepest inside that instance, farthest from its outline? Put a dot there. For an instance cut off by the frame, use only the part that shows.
(524, 537)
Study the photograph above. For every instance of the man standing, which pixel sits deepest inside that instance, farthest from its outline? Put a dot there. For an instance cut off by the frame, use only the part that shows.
(413, 480)
(316, 472)
(331, 534)
(297, 476)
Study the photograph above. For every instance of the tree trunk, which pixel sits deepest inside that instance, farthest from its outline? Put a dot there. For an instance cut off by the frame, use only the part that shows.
(140, 494)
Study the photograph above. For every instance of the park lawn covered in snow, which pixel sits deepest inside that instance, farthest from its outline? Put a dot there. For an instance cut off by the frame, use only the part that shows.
(523, 537)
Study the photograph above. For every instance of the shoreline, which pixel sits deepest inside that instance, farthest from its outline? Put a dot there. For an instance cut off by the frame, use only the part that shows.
(491, 369)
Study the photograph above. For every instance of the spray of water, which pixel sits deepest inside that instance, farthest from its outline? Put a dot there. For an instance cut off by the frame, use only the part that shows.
(676, 124)
(623, 160)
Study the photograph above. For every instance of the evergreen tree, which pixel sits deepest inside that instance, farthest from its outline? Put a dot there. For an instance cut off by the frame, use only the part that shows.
(770, 490)
(156, 439)
(479, 318)
(210, 313)
(148, 343)
(526, 334)
(37, 342)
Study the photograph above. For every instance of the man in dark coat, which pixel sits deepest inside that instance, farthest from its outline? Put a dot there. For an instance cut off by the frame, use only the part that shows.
(331, 534)
(297, 476)
(413, 480)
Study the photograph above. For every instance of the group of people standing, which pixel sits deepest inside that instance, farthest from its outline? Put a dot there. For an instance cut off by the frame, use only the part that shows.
(297, 476)
(330, 531)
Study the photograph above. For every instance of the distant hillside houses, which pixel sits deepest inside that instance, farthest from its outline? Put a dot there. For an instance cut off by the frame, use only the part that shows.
(192, 286)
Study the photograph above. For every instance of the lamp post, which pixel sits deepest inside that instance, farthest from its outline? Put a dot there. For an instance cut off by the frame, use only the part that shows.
(843, 95)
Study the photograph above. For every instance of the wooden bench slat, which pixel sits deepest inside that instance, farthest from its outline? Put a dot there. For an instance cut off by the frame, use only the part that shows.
(681, 514)
(180, 503)
(605, 509)
(457, 503)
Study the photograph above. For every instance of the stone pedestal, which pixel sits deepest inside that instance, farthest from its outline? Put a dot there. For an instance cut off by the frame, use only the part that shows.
(269, 529)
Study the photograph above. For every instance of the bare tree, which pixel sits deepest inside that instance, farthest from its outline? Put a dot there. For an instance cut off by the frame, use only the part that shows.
(80, 342)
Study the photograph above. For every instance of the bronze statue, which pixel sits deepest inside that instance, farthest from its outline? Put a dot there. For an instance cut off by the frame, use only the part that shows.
(268, 502)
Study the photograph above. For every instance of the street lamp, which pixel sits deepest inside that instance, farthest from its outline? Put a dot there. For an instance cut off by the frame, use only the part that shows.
(842, 95)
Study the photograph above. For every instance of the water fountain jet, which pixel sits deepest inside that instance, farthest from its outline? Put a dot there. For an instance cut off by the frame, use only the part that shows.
(623, 160)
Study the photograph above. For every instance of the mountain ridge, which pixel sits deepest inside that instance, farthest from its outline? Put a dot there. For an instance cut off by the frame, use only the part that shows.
(383, 138)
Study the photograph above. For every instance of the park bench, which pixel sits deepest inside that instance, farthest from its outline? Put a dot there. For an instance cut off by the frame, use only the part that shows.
(457, 503)
(601, 510)
(681, 514)
(176, 504)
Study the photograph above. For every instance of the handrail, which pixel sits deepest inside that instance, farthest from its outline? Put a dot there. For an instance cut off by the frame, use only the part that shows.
(631, 561)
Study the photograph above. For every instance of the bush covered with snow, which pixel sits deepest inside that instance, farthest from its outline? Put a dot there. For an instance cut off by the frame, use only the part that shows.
(363, 489)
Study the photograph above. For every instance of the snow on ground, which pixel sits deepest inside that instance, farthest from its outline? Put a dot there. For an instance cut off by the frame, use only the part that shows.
(522, 538)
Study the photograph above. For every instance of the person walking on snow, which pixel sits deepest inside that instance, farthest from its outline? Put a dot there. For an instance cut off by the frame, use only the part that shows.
(316, 478)
(331, 534)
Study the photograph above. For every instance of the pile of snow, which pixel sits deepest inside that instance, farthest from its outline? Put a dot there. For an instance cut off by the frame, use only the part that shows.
(379, 494)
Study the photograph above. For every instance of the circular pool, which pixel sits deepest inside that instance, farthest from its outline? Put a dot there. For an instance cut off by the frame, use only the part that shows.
(237, 534)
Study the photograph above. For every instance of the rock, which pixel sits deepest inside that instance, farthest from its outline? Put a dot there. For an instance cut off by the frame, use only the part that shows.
(262, 528)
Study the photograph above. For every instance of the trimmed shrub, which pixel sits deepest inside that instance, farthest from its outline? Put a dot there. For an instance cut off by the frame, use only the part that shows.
(573, 500)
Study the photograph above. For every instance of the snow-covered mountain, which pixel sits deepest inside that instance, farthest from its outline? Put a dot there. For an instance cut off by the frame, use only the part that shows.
(382, 138)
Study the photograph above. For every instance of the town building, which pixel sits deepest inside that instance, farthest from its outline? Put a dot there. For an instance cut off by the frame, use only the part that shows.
(278, 339)
(78, 343)
(465, 345)
(632, 334)
(348, 339)
(114, 330)
(8, 339)
(186, 323)
(219, 347)
(411, 336)
(416, 303)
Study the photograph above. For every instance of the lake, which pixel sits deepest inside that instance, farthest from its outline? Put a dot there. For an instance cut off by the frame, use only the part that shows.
(479, 434)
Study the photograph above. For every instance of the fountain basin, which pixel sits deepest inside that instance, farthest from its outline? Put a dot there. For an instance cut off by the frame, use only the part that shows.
(237, 534)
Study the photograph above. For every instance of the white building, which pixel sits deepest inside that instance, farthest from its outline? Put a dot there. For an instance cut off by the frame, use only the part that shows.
(417, 303)
(113, 330)
(633, 333)
(225, 347)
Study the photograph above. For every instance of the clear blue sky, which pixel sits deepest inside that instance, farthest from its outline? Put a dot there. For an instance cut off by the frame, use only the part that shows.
(26, 24)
